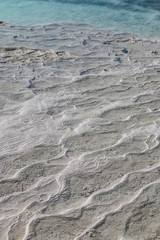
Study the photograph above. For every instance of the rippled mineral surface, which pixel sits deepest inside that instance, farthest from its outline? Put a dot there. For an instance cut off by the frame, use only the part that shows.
(79, 134)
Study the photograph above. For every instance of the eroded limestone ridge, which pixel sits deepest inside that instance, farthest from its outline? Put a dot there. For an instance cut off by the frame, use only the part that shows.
(28, 56)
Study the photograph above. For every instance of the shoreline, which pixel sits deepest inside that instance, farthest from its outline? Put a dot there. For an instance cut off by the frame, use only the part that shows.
(79, 133)
(78, 25)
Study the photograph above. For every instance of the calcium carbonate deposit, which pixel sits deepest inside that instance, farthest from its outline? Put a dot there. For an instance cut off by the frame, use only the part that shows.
(79, 134)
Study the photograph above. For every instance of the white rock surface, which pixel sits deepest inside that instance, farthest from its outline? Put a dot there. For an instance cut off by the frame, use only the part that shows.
(79, 134)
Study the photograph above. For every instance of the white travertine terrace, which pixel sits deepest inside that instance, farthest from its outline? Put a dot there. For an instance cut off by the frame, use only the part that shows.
(79, 134)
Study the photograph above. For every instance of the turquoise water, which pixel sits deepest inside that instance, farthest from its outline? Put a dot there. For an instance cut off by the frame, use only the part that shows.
(140, 17)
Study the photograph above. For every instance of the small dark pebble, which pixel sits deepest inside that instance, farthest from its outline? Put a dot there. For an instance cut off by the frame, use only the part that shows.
(84, 42)
(117, 59)
(106, 43)
(125, 51)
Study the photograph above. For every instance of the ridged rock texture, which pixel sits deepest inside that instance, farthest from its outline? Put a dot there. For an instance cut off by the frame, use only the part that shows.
(79, 134)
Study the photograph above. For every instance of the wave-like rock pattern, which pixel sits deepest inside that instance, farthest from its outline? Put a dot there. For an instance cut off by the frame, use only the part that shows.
(79, 133)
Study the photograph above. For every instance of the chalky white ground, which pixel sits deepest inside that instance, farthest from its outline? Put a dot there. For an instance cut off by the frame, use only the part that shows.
(79, 134)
